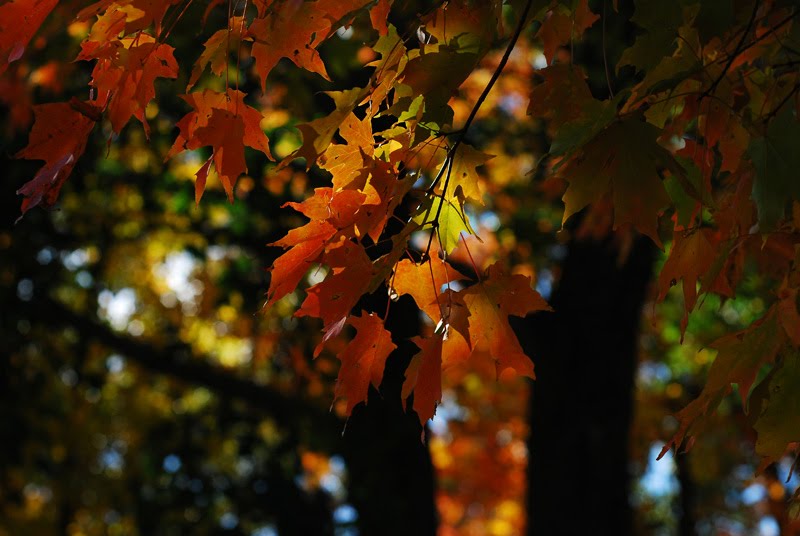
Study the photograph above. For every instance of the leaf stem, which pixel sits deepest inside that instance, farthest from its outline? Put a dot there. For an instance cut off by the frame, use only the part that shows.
(449, 163)
(471, 259)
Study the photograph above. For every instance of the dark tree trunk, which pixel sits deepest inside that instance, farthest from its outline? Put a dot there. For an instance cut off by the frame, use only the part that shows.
(581, 403)
(686, 499)
(391, 475)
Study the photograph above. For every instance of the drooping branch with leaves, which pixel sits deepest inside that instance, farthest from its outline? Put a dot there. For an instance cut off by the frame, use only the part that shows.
(696, 146)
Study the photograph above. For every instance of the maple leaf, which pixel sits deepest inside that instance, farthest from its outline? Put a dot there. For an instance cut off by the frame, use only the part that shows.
(424, 377)
(216, 50)
(466, 26)
(457, 38)
(363, 360)
(349, 278)
(307, 244)
(661, 21)
(489, 303)
(318, 134)
(465, 181)
(59, 136)
(294, 30)
(778, 420)
(448, 219)
(776, 161)
(564, 26)
(345, 160)
(224, 122)
(693, 257)
(137, 14)
(562, 97)
(384, 191)
(740, 357)
(19, 20)
(624, 161)
(340, 209)
(426, 283)
(103, 39)
(127, 78)
(379, 15)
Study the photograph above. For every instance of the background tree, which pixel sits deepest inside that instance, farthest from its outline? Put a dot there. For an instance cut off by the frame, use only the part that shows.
(691, 138)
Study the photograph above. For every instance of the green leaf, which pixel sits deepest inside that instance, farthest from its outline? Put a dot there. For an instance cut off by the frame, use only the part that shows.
(660, 21)
(623, 160)
(776, 159)
(452, 222)
(779, 421)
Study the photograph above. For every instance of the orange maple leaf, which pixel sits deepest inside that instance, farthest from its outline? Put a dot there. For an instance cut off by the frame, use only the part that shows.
(424, 377)
(363, 360)
(307, 244)
(489, 303)
(349, 278)
(127, 78)
(227, 124)
(294, 30)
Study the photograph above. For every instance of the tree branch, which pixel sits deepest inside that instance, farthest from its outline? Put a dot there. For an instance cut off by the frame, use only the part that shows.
(500, 66)
(478, 103)
(299, 416)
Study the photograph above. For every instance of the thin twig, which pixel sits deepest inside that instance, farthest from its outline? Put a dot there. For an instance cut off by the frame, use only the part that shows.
(736, 52)
(677, 96)
(163, 38)
(228, 46)
(448, 163)
(471, 259)
(605, 58)
(766, 34)
(495, 76)
(777, 109)
(785, 64)
(239, 54)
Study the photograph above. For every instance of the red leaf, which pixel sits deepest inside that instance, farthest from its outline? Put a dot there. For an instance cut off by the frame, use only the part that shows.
(363, 360)
(424, 377)
(127, 78)
(691, 258)
(227, 124)
(58, 137)
(200, 183)
(350, 275)
(294, 30)
(379, 15)
(307, 243)
(19, 20)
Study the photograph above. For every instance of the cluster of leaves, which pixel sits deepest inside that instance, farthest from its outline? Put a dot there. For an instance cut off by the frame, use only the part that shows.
(697, 150)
